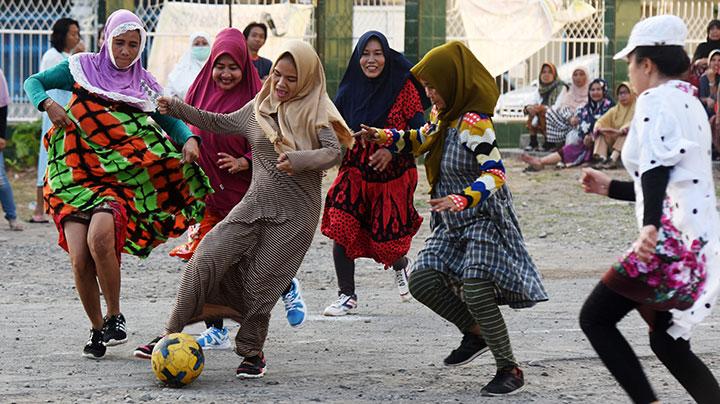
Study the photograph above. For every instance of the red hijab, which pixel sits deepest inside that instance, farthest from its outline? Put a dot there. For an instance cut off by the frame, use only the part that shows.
(205, 94)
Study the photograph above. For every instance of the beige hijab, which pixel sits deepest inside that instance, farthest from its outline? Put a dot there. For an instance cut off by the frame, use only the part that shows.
(576, 97)
(309, 110)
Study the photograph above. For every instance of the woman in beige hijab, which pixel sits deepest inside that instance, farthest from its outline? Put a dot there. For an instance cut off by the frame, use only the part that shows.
(244, 263)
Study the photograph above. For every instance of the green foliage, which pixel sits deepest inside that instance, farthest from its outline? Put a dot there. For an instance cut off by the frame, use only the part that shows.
(23, 145)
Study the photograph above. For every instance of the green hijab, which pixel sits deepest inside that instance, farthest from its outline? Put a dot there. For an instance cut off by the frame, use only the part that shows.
(465, 86)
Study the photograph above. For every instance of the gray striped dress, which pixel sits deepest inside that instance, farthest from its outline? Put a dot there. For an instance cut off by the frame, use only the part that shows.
(246, 261)
(481, 242)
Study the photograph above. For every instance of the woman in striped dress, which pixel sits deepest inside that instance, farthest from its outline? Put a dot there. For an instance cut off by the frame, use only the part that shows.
(476, 240)
(114, 183)
(244, 263)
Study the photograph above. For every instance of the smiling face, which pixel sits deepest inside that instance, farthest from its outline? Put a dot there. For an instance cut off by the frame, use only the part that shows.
(596, 92)
(226, 72)
(125, 48)
(715, 62)
(434, 96)
(372, 60)
(285, 78)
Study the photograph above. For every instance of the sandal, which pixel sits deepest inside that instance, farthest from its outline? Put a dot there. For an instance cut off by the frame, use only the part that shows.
(35, 219)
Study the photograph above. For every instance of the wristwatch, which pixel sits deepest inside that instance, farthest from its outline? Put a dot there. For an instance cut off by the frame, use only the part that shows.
(47, 103)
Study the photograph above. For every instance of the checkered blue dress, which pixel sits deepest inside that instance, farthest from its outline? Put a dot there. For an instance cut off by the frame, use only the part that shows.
(482, 242)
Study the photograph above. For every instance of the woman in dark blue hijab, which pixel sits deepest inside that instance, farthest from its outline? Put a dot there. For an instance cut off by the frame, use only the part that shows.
(369, 208)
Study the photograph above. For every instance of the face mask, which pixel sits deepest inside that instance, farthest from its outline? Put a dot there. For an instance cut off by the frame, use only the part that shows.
(200, 53)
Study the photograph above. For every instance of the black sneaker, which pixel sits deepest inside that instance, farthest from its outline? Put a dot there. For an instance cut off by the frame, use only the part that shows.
(470, 348)
(145, 351)
(252, 367)
(95, 347)
(114, 330)
(507, 381)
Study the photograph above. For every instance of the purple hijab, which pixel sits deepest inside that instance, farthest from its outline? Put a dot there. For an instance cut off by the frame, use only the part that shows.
(97, 72)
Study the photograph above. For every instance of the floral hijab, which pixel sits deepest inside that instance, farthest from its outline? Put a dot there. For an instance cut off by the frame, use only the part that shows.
(593, 110)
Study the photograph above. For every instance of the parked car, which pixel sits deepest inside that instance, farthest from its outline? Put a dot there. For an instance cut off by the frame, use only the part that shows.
(510, 105)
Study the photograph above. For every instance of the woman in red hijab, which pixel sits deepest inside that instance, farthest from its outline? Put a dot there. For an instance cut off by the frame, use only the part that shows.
(225, 84)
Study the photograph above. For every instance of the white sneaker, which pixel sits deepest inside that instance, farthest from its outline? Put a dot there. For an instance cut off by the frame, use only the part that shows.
(342, 306)
(401, 280)
(214, 338)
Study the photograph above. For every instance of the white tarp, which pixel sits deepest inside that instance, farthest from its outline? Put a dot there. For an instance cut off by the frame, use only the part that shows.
(503, 33)
(178, 20)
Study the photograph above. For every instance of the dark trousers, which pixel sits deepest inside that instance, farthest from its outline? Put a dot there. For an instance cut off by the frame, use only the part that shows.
(599, 316)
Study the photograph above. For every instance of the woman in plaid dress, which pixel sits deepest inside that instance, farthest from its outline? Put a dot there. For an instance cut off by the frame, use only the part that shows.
(476, 240)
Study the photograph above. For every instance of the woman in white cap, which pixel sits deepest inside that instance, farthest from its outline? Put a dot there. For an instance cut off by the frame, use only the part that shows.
(667, 153)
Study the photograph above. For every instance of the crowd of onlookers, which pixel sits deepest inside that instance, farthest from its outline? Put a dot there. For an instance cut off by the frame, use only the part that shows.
(582, 123)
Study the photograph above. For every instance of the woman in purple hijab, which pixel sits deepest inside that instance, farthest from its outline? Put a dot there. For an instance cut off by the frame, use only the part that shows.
(115, 182)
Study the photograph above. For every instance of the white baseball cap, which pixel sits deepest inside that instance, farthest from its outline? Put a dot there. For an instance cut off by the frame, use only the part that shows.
(661, 30)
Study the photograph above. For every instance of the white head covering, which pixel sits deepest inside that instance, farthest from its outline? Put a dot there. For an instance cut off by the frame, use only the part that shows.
(186, 70)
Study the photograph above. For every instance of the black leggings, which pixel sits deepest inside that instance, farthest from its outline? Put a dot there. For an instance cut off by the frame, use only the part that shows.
(599, 316)
(345, 269)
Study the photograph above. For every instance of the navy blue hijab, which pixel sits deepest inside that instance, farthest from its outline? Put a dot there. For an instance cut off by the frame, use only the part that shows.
(364, 100)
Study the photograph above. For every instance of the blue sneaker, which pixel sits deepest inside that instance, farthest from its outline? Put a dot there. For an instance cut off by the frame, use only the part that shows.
(294, 304)
(214, 338)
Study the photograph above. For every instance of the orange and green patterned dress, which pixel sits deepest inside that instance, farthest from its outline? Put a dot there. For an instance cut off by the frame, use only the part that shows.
(112, 158)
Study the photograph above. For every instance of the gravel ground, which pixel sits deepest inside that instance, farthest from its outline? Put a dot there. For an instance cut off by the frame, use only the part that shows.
(387, 351)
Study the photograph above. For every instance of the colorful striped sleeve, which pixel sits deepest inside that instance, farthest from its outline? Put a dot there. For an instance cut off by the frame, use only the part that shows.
(478, 135)
(408, 141)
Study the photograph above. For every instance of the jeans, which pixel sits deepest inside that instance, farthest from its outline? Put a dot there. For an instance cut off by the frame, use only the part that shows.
(6, 193)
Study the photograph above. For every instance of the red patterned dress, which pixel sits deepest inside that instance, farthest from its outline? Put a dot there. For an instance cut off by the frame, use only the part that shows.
(371, 213)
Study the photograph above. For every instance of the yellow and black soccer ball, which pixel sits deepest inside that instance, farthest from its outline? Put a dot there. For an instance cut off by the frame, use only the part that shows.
(177, 360)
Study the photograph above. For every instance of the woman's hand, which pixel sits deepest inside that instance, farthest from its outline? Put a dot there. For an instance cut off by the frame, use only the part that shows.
(574, 121)
(232, 164)
(443, 204)
(56, 113)
(588, 140)
(284, 164)
(595, 182)
(380, 159)
(163, 104)
(190, 151)
(644, 246)
(366, 134)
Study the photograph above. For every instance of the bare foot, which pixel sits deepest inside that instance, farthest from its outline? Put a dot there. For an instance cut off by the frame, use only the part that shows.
(532, 161)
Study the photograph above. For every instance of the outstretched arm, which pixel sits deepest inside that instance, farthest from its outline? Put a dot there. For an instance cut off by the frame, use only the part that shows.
(225, 124)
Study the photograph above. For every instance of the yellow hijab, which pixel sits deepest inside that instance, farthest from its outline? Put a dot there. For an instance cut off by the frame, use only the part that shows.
(465, 86)
(619, 116)
(310, 109)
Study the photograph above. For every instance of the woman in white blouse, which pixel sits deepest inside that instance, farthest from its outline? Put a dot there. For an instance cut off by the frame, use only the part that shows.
(667, 154)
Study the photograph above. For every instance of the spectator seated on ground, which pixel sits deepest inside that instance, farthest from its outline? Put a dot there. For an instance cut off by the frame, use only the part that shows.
(550, 94)
(708, 83)
(561, 120)
(612, 128)
(579, 145)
